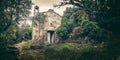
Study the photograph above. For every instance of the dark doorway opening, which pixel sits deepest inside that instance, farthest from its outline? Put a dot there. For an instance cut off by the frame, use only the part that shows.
(50, 37)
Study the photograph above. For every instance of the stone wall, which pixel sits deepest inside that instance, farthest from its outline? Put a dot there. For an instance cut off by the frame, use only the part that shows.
(47, 34)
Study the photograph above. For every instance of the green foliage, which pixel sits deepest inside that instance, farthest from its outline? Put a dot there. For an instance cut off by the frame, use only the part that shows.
(91, 29)
(39, 18)
(11, 12)
(105, 14)
(63, 32)
(79, 18)
(71, 51)
(9, 36)
(69, 20)
(24, 33)
(67, 51)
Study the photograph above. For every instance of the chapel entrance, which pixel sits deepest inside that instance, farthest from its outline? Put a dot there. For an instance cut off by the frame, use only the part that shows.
(50, 37)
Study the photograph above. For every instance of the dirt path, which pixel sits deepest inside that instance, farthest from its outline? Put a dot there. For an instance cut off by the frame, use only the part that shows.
(20, 45)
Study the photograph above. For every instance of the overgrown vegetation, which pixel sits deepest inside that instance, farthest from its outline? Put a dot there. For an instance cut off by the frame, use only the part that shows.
(11, 12)
(24, 32)
(98, 22)
(76, 17)
(39, 18)
(66, 51)
(93, 23)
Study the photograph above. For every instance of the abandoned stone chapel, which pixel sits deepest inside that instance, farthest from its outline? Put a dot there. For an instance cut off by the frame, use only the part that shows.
(44, 27)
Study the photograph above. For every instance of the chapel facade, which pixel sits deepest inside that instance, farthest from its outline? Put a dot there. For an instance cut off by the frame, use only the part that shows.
(44, 29)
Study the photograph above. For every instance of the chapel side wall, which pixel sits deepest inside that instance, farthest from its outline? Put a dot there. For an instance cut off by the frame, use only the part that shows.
(35, 33)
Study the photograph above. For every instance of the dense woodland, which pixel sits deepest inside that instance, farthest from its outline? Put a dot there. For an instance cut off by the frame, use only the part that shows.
(90, 30)
(11, 12)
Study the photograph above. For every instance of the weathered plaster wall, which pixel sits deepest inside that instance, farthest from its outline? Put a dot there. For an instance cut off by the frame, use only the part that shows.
(42, 35)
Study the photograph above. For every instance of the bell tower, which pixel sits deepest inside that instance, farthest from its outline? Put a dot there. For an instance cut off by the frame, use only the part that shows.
(36, 10)
(36, 25)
